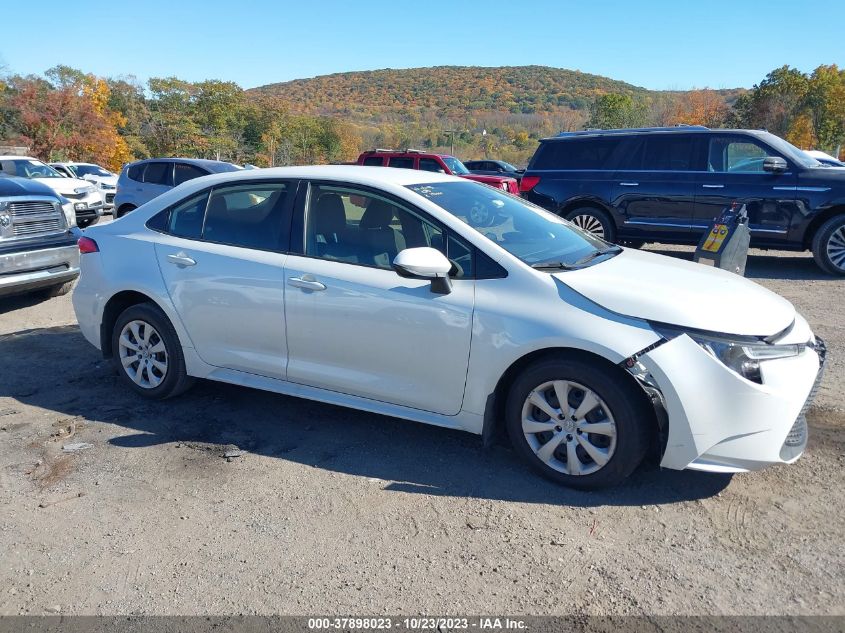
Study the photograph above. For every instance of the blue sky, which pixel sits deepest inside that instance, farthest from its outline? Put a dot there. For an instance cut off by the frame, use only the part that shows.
(660, 44)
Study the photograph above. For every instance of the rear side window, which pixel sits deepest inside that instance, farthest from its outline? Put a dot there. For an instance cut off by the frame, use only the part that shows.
(401, 161)
(429, 164)
(159, 174)
(587, 153)
(669, 152)
(185, 172)
(373, 161)
(250, 216)
(185, 219)
(136, 172)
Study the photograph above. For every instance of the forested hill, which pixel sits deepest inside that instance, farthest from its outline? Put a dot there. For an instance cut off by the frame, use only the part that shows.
(388, 94)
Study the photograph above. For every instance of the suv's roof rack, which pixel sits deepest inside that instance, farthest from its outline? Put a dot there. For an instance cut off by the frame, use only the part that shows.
(629, 130)
(407, 150)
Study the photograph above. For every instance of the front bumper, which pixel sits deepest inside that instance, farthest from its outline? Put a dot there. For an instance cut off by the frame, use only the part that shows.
(29, 270)
(718, 421)
(89, 207)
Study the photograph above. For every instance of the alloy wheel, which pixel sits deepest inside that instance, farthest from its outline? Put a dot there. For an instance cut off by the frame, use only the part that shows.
(143, 354)
(589, 223)
(569, 427)
(836, 248)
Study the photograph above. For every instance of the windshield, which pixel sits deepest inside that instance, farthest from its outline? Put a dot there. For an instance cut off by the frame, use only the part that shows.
(28, 168)
(88, 170)
(537, 237)
(455, 166)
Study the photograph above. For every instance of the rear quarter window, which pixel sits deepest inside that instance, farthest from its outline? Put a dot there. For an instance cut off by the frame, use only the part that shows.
(136, 172)
(588, 153)
(373, 161)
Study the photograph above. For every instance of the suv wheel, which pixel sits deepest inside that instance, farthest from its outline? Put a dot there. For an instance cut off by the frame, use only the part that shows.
(829, 246)
(593, 220)
(577, 423)
(147, 353)
(126, 208)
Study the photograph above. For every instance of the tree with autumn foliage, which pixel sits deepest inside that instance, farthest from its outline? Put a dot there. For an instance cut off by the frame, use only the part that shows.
(698, 107)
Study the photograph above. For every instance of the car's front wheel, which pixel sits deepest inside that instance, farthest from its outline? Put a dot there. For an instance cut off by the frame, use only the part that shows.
(147, 353)
(829, 246)
(577, 423)
(593, 220)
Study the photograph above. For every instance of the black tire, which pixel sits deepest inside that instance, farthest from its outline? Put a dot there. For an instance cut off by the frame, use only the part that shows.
(123, 210)
(829, 246)
(632, 421)
(175, 380)
(594, 220)
(59, 289)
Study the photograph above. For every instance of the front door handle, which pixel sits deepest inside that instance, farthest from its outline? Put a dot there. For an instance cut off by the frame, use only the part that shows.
(306, 282)
(629, 184)
(181, 259)
(713, 186)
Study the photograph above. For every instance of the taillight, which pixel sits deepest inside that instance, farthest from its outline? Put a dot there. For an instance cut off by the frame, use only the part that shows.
(528, 183)
(87, 245)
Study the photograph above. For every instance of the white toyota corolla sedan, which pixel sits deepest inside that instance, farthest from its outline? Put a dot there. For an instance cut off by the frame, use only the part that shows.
(372, 288)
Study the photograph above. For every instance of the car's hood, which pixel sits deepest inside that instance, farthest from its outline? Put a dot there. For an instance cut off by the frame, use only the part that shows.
(498, 180)
(64, 186)
(14, 186)
(679, 292)
(106, 180)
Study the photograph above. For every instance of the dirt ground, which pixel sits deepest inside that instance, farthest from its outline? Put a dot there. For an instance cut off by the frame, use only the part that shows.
(328, 510)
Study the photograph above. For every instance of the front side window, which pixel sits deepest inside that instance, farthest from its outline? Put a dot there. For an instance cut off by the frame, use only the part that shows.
(430, 164)
(735, 155)
(535, 236)
(184, 172)
(159, 174)
(250, 216)
(402, 162)
(359, 227)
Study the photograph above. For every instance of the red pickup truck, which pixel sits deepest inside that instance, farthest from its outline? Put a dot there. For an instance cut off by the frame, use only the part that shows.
(440, 163)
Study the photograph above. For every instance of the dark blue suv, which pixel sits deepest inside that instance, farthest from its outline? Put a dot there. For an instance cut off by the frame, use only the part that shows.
(666, 185)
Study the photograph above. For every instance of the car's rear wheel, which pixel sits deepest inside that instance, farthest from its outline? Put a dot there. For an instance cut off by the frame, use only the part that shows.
(829, 246)
(147, 353)
(577, 423)
(123, 210)
(593, 220)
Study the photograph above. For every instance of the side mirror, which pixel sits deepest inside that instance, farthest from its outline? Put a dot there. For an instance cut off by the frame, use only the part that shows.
(775, 164)
(425, 263)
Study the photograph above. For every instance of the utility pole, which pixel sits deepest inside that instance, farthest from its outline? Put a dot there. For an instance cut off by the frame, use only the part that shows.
(451, 134)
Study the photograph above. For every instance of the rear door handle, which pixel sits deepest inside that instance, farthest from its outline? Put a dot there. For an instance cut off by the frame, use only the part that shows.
(306, 282)
(713, 186)
(629, 184)
(181, 259)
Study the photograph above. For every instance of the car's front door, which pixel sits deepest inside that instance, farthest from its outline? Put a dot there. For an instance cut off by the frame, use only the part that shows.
(735, 174)
(222, 258)
(653, 187)
(354, 325)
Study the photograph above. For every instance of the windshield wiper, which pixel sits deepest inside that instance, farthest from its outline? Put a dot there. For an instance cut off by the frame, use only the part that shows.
(608, 251)
(553, 265)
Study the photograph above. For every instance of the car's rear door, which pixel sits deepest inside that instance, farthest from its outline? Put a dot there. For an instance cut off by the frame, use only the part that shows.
(735, 174)
(354, 325)
(654, 186)
(157, 178)
(222, 257)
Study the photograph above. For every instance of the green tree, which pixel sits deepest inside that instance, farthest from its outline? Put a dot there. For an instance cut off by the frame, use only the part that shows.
(616, 111)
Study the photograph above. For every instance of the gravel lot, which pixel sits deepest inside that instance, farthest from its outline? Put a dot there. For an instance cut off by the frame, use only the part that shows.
(330, 510)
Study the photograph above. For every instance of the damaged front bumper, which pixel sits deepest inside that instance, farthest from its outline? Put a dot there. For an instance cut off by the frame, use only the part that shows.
(714, 420)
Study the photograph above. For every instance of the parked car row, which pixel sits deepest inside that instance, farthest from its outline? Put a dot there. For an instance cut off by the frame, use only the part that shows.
(86, 199)
(104, 180)
(667, 184)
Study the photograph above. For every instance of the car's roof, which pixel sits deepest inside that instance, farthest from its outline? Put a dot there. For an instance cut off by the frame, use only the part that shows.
(403, 152)
(639, 131)
(211, 165)
(346, 173)
(16, 157)
(73, 162)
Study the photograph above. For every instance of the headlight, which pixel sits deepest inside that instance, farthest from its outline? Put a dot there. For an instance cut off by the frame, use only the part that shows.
(741, 354)
(81, 190)
(66, 206)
